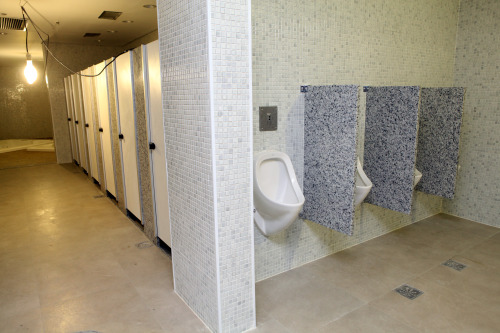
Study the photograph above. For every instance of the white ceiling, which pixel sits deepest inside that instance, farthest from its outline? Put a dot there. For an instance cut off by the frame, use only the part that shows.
(66, 21)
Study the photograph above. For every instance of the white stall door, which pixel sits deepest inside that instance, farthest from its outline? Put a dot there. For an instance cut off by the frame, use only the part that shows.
(79, 121)
(88, 107)
(105, 128)
(71, 118)
(156, 131)
(125, 98)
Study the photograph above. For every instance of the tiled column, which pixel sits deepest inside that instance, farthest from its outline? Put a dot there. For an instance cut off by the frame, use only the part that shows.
(206, 81)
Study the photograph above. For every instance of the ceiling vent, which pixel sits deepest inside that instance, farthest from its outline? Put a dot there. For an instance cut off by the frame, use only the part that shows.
(107, 15)
(12, 23)
(92, 34)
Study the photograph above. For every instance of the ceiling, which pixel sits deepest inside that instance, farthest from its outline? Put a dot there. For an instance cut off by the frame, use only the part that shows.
(67, 21)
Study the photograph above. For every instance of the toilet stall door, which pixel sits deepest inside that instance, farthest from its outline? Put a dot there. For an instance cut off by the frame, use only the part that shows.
(128, 142)
(105, 128)
(152, 86)
(88, 104)
(71, 118)
(79, 121)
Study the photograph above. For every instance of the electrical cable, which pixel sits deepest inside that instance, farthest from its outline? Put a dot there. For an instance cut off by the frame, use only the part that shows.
(45, 45)
(26, 28)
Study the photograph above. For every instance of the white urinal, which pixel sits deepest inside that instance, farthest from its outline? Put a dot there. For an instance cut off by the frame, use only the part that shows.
(417, 175)
(363, 184)
(277, 195)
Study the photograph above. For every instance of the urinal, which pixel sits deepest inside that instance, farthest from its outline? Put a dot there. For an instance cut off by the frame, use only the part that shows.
(417, 175)
(363, 185)
(277, 195)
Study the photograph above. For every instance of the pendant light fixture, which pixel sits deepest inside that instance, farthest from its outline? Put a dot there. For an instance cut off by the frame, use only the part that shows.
(30, 70)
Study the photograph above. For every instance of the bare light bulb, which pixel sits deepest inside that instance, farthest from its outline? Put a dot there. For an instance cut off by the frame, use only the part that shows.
(30, 71)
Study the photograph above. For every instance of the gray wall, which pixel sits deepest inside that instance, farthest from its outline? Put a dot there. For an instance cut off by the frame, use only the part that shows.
(476, 68)
(325, 42)
(24, 108)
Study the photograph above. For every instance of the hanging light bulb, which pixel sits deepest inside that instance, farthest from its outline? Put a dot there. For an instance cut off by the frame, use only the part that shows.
(30, 71)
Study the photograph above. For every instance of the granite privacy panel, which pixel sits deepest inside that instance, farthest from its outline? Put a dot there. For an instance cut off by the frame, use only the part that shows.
(143, 153)
(439, 121)
(115, 142)
(183, 31)
(390, 143)
(330, 123)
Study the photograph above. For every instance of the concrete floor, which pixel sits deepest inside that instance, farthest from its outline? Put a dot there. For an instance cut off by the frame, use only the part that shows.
(70, 261)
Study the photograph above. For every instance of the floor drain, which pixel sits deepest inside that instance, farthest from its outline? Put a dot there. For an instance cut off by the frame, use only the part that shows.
(408, 292)
(99, 196)
(454, 264)
(143, 245)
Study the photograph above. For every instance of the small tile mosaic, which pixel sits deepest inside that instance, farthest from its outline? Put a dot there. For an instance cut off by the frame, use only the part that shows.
(182, 30)
(408, 292)
(206, 94)
(454, 264)
(297, 43)
(476, 68)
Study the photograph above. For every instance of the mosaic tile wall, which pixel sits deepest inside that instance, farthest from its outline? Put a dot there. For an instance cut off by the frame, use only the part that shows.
(188, 141)
(330, 123)
(390, 145)
(440, 118)
(329, 42)
(477, 67)
(25, 108)
(232, 112)
(205, 63)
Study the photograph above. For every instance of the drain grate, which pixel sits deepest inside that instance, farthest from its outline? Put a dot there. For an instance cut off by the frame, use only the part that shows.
(454, 264)
(408, 291)
(143, 245)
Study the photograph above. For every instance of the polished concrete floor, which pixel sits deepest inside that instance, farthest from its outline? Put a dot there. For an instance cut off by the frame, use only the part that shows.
(70, 261)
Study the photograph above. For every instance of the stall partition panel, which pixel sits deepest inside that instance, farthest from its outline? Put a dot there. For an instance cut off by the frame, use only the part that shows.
(71, 118)
(79, 121)
(152, 86)
(105, 128)
(126, 115)
(90, 122)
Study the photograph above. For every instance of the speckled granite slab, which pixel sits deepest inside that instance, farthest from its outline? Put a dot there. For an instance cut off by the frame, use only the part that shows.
(390, 140)
(330, 122)
(438, 135)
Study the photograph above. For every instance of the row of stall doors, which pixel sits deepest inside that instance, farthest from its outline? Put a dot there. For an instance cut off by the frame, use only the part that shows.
(88, 104)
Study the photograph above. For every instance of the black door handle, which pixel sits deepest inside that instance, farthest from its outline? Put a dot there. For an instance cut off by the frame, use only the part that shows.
(69, 119)
(120, 136)
(86, 125)
(152, 145)
(101, 130)
(76, 122)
